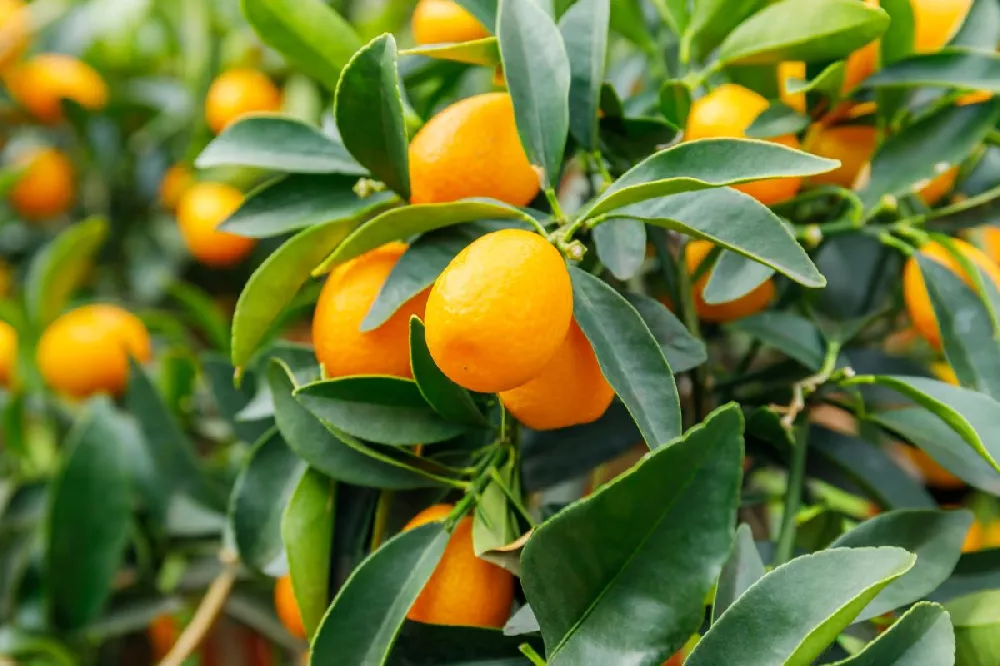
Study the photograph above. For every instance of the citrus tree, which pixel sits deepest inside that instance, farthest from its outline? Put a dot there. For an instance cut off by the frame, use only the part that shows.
(639, 332)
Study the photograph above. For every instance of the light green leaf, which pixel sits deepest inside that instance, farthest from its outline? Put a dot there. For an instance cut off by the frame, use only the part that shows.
(58, 269)
(976, 619)
(483, 52)
(922, 637)
(307, 532)
(712, 20)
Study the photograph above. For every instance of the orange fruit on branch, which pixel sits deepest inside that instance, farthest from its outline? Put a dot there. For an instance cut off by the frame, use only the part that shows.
(853, 145)
(201, 209)
(287, 607)
(8, 355)
(46, 187)
(500, 311)
(40, 84)
(14, 30)
(443, 22)
(176, 181)
(744, 306)
(238, 92)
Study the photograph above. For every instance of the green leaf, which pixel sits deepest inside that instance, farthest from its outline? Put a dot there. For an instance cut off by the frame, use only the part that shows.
(790, 334)
(339, 458)
(743, 568)
(621, 246)
(443, 645)
(782, 31)
(828, 82)
(402, 223)
(712, 20)
(660, 532)
(793, 613)
(495, 525)
(278, 143)
(675, 103)
(971, 343)
(276, 281)
(905, 161)
(584, 29)
(230, 400)
(89, 519)
(630, 357)
(299, 201)
(981, 26)
(898, 40)
(309, 33)
(973, 416)
(261, 492)
(368, 612)
(777, 120)
(307, 532)
(922, 637)
(485, 11)
(203, 312)
(23, 645)
(446, 397)
(629, 21)
(384, 410)
(483, 52)
(369, 113)
(733, 277)
(703, 164)
(59, 268)
(708, 215)
(976, 619)
(683, 350)
(952, 68)
(935, 537)
(538, 78)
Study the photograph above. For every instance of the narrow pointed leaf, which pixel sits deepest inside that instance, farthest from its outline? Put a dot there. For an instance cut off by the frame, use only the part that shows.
(60, 267)
(482, 52)
(743, 568)
(584, 29)
(307, 531)
(734, 276)
(922, 637)
(712, 20)
(445, 396)
(683, 350)
(485, 11)
(953, 68)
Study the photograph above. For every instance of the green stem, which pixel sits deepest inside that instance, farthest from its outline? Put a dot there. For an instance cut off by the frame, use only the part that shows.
(514, 500)
(601, 169)
(532, 656)
(557, 210)
(793, 498)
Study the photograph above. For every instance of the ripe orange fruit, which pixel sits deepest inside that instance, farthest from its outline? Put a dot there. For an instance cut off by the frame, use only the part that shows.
(570, 390)
(236, 93)
(463, 590)
(202, 208)
(86, 351)
(676, 660)
(915, 295)
(499, 311)
(980, 537)
(989, 239)
(8, 355)
(341, 346)
(47, 186)
(472, 149)
(862, 63)
(444, 21)
(162, 632)
(935, 22)
(176, 181)
(728, 111)
(792, 70)
(287, 607)
(853, 145)
(744, 306)
(932, 473)
(939, 186)
(40, 83)
(13, 30)
(974, 98)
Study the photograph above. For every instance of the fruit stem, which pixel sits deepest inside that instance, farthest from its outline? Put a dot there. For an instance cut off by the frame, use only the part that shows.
(532, 656)
(514, 500)
(557, 210)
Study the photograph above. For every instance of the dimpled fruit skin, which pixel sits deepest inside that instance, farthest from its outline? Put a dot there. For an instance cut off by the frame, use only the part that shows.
(444, 21)
(853, 145)
(472, 149)
(46, 188)
(744, 306)
(237, 92)
(8, 354)
(570, 390)
(728, 111)
(463, 590)
(86, 351)
(13, 30)
(915, 295)
(341, 346)
(499, 311)
(287, 607)
(42, 82)
(201, 209)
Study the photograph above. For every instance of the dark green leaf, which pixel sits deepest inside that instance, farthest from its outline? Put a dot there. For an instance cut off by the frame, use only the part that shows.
(203, 312)
(743, 568)
(621, 246)
(777, 120)
(712, 20)
(953, 68)
(368, 612)
(88, 522)
(538, 78)
(683, 350)
(445, 396)
(483, 52)
(898, 40)
(59, 268)
(794, 612)
(262, 490)
(440, 645)
(976, 619)
(385, 410)
(309, 33)
(629, 356)
(584, 29)
(624, 544)
(230, 399)
(307, 532)
(369, 113)
(278, 143)
(733, 277)
(922, 637)
(789, 333)
(782, 32)
(299, 201)
(675, 103)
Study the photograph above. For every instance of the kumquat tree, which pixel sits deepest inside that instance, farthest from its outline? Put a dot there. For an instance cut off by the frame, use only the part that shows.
(499, 332)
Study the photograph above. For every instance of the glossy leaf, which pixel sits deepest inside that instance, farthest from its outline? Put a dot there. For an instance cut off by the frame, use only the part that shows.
(782, 32)
(260, 494)
(629, 356)
(483, 52)
(899, 40)
(777, 120)
(922, 637)
(712, 20)
(89, 518)
(441, 645)
(368, 612)
(584, 29)
(301, 201)
(683, 350)
(743, 568)
(734, 276)
(446, 397)
(675, 103)
(307, 532)
(621, 246)
(309, 33)
(935, 537)
(629, 21)
(59, 268)
(229, 399)
(339, 458)
(703, 164)
(627, 570)
(276, 281)
(538, 78)
(953, 68)
(369, 113)
(791, 615)
(278, 143)
(789, 333)
(976, 619)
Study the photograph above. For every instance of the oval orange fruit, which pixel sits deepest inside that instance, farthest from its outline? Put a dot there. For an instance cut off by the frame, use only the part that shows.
(201, 209)
(744, 306)
(40, 84)
(46, 187)
(287, 607)
(176, 181)
(238, 92)
(853, 145)
(8, 355)
(14, 31)
(445, 21)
